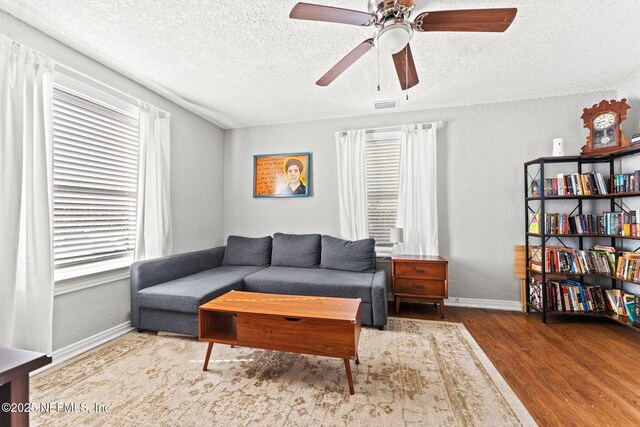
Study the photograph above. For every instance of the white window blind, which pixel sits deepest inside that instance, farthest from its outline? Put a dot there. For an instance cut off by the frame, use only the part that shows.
(382, 158)
(95, 146)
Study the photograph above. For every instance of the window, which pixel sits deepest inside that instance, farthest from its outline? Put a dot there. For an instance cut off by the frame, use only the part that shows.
(382, 160)
(95, 148)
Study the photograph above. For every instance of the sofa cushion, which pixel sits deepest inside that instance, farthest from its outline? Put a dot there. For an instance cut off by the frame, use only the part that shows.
(296, 250)
(187, 293)
(247, 251)
(307, 281)
(347, 255)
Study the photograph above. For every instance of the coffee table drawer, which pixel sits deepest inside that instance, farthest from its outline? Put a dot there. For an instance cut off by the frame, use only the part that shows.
(302, 335)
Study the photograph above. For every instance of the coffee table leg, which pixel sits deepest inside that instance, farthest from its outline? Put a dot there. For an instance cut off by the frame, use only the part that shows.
(206, 358)
(348, 368)
(357, 359)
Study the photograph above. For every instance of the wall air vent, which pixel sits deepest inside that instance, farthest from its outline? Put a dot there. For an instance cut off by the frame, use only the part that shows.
(385, 104)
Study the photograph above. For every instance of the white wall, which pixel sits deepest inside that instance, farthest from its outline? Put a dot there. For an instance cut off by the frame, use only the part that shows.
(631, 91)
(196, 187)
(481, 151)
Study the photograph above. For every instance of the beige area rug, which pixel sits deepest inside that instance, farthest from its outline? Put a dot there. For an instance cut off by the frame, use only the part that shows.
(418, 373)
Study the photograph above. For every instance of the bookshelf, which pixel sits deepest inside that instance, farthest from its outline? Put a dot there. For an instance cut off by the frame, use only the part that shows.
(534, 171)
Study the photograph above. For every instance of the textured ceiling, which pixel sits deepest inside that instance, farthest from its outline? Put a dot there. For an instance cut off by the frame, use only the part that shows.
(246, 63)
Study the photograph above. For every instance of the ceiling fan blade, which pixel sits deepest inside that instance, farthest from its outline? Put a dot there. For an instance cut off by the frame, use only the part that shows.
(345, 62)
(316, 12)
(483, 20)
(406, 68)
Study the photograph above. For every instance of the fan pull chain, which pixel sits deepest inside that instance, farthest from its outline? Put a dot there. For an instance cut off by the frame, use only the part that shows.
(406, 69)
(378, 69)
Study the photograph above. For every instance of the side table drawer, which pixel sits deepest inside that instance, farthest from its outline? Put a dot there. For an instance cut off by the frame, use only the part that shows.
(422, 270)
(420, 287)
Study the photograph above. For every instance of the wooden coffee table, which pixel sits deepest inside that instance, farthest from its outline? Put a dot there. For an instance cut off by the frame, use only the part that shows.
(298, 324)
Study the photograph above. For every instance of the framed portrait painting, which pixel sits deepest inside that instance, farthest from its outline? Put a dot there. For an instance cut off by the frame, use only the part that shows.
(282, 175)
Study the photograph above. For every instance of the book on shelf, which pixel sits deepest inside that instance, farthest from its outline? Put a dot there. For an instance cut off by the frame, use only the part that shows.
(534, 223)
(636, 310)
(629, 306)
(535, 292)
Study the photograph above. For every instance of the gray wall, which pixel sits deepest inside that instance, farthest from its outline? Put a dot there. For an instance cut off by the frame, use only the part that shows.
(481, 151)
(196, 189)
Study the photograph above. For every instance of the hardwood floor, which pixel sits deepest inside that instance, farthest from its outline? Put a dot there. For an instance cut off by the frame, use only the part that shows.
(573, 371)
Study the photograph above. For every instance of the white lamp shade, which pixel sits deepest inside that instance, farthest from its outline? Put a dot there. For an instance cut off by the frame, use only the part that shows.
(394, 36)
(396, 235)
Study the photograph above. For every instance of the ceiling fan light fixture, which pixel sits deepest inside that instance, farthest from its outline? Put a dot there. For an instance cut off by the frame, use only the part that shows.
(394, 36)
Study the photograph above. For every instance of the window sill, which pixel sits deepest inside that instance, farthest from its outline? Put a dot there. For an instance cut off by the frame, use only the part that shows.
(86, 281)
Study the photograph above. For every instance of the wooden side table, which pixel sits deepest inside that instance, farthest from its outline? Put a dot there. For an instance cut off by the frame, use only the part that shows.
(15, 366)
(420, 278)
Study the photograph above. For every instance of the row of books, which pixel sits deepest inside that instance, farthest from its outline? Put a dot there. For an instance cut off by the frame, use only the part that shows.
(567, 295)
(558, 259)
(592, 183)
(623, 304)
(628, 266)
(625, 182)
(609, 223)
(571, 296)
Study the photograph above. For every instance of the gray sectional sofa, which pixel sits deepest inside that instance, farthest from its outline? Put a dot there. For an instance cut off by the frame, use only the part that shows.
(166, 292)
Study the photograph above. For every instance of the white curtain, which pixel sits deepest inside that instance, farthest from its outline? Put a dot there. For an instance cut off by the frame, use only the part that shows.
(26, 259)
(154, 233)
(417, 201)
(352, 186)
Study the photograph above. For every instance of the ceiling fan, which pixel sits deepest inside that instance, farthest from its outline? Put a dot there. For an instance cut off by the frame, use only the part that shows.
(394, 30)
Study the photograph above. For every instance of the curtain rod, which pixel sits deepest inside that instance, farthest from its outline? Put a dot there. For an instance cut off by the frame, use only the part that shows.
(65, 69)
(398, 127)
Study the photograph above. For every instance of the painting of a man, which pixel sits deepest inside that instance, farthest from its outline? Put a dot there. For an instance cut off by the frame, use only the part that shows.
(282, 175)
(293, 171)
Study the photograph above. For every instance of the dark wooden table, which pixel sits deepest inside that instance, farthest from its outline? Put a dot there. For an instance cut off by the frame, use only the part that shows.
(15, 366)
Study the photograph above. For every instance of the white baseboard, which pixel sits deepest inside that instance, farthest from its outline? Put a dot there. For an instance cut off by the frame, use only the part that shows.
(84, 345)
(496, 304)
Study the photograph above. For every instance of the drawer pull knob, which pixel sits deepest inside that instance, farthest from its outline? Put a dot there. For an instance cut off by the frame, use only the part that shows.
(418, 270)
(419, 287)
(292, 319)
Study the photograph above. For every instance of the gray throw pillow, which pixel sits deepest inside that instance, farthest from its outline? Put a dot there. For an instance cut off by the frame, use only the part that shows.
(339, 254)
(296, 250)
(247, 251)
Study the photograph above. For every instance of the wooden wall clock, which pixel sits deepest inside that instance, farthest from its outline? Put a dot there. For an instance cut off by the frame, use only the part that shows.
(603, 121)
